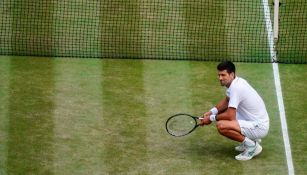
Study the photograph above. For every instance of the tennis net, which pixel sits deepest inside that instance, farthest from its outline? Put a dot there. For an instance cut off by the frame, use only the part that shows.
(150, 29)
(291, 46)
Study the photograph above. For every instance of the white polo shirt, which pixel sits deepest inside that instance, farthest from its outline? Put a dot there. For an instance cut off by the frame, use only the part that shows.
(246, 100)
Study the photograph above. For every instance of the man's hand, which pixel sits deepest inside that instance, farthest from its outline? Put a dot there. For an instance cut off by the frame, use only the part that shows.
(206, 119)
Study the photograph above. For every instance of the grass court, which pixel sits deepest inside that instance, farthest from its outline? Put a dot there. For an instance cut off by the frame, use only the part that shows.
(93, 116)
(66, 115)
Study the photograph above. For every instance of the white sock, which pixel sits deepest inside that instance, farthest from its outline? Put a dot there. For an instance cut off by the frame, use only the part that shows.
(249, 142)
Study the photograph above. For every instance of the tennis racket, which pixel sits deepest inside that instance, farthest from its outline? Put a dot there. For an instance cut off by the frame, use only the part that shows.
(182, 124)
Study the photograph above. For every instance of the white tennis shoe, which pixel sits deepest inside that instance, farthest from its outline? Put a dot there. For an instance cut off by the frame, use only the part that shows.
(250, 152)
(242, 147)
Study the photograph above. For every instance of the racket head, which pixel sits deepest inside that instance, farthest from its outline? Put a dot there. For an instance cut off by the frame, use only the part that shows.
(181, 124)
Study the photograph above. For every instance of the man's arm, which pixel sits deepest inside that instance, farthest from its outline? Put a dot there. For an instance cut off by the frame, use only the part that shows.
(222, 105)
(228, 114)
(225, 112)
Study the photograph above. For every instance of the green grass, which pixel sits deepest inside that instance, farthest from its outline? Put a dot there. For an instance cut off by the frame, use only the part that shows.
(77, 116)
(294, 92)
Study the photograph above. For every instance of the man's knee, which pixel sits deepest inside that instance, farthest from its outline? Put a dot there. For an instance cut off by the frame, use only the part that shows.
(221, 127)
(224, 127)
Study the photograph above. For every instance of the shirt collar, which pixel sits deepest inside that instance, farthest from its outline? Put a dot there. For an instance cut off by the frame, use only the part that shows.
(234, 81)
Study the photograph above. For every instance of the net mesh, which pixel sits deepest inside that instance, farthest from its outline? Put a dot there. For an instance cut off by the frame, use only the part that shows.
(292, 43)
(154, 29)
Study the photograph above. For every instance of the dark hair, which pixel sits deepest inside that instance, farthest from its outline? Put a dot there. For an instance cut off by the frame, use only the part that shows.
(227, 65)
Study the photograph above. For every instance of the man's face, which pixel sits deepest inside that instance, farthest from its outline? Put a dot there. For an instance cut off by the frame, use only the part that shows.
(225, 77)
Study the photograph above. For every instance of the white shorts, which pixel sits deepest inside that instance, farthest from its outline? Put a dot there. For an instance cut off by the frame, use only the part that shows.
(253, 129)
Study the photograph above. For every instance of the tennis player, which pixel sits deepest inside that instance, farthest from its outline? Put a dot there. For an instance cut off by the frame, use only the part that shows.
(241, 115)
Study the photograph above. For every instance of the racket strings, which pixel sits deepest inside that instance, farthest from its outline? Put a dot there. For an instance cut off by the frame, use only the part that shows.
(181, 125)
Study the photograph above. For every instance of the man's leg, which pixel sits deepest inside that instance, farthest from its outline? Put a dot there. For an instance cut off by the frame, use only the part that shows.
(232, 130)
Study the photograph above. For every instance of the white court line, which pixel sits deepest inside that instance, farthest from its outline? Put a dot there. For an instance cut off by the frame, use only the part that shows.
(278, 88)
